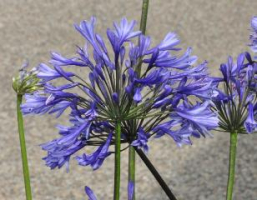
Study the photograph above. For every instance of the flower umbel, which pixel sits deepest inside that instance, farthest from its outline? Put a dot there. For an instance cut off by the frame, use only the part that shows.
(115, 89)
(235, 102)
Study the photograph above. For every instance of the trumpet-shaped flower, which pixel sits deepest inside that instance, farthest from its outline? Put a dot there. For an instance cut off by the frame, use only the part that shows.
(141, 141)
(250, 123)
(96, 159)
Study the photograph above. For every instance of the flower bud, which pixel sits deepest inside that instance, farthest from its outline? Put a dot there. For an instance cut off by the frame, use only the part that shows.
(25, 81)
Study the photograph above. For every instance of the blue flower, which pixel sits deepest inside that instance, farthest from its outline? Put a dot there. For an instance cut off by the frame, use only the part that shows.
(200, 88)
(169, 42)
(142, 139)
(122, 33)
(58, 59)
(187, 121)
(154, 77)
(166, 60)
(47, 74)
(181, 136)
(90, 193)
(250, 124)
(200, 116)
(87, 29)
(59, 154)
(39, 104)
(95, 160)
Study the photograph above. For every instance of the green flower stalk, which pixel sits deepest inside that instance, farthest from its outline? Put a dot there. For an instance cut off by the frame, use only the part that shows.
(132, 154)
(25, 82)
(117, 161)
(23, 150)
(132, 168)
(232, 164)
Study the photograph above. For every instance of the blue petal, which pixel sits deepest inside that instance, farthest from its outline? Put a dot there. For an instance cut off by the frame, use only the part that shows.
(169, 42)
(90, 193)
(58, 59)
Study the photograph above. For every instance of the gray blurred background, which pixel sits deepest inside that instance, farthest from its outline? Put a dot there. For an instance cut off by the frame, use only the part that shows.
(29, 29)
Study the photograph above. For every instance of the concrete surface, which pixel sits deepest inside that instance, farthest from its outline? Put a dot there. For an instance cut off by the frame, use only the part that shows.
(29, 29)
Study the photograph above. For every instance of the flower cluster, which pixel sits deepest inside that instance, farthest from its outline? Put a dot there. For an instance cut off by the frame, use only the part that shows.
(152, 91)
(237, 104)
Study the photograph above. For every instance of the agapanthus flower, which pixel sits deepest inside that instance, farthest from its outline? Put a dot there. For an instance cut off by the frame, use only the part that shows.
(142, 139)
(90, 193)
(137, 83)
(250, 122)
(236, 96)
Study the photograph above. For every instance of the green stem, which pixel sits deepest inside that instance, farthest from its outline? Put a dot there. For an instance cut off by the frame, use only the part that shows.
(143, 28)
(232, 164)
(144, 16)
(132, 167)
(117, 161)
(23, 149)
(132, 154)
